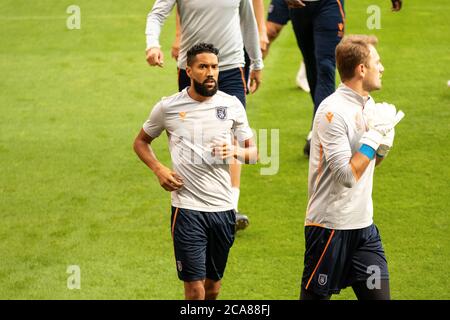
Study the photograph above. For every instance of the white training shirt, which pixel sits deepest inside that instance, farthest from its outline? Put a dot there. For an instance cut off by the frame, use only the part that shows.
(191, 127)
(336, 199)
(227, 24)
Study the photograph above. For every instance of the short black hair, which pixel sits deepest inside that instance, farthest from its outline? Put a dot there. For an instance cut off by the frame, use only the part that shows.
(200, 48)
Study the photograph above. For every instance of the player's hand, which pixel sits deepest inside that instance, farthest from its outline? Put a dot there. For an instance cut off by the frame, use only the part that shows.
(175, 50)
(380, 119)
(255, 80)
(155, 57)
(263, 42)
(396, 5)
(295, 4)
(168, 179)
(223, 150)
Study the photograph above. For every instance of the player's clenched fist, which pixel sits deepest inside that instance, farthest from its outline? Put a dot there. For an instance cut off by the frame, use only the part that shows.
(223, 150)
(168, 179)
(381, 119)
(155, 57)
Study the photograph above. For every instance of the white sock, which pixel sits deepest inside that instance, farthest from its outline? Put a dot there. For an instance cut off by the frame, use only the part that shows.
(235, 197)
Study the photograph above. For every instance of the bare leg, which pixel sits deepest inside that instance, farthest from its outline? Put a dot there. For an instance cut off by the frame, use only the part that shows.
(194, 290)
(212, 289)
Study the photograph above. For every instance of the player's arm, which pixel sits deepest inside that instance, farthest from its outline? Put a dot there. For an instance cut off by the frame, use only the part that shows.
(168, 179)
(155, 20)
(258, 8)
(175, 50)
(247, 154)
(382, 119)
(245, 151)
(346, 168)
(244, 148)
(249, 30)
(333, 139)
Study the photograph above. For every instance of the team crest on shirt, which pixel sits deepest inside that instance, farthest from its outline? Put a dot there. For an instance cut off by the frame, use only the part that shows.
(221, 113)
(322, 279)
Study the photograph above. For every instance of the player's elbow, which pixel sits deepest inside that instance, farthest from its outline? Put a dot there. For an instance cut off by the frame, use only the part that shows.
(346, 178)
(138, 144)
(348, 183)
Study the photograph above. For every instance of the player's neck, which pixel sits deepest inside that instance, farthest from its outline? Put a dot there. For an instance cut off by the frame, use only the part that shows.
(357, 86)
(197, 97)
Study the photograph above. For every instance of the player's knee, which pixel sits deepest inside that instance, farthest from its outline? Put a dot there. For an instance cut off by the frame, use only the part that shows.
(212, 294)
(194, 292)
(212, 290)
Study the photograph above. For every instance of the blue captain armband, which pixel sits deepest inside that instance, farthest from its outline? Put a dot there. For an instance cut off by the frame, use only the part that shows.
(368, 151)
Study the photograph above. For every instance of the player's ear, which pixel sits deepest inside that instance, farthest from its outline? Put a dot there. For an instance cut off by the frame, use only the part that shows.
(360, 70)
(188, 71)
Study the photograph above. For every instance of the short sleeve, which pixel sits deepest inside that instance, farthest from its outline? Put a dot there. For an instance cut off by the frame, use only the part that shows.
(241, 128)
(155, 122)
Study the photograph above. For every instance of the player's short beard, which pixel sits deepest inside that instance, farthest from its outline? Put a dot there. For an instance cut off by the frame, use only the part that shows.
(202, 89)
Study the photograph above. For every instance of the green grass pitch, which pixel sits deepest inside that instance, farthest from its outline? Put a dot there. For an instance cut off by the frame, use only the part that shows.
(72, 191)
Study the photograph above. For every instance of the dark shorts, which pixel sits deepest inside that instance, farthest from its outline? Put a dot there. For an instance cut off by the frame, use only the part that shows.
(335, 259)
(230, 81)
(278, 12)
(202, 241)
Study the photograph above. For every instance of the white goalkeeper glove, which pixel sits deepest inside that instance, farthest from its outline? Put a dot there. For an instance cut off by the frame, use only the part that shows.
(380, 119)
(388, 140)
(386, 144)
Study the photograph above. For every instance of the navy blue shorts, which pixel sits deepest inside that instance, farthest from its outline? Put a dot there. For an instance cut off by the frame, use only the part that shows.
(202, 241)
(278, 12)
(335, 259)
(230, 81)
